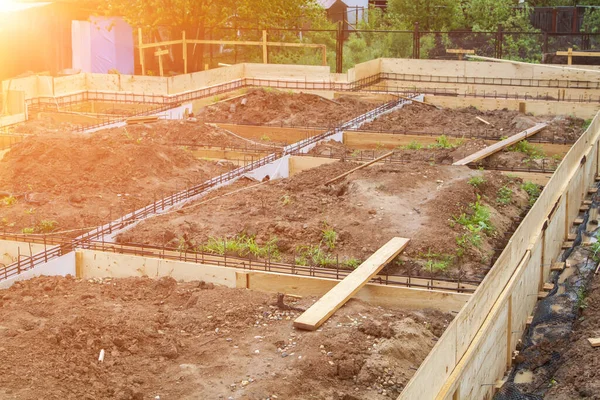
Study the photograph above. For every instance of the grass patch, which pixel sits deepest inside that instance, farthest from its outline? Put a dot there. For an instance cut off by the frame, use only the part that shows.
(314, 255)
(533, 190)
(28, 231)
(265, 138)
(476, 181)
(504, 195)
(442, 142)
(46, 226)
(586, 124)
(286, 199)
(242, 246)
(435, 262)
(532, 151)
(352, 262)
(414, 145)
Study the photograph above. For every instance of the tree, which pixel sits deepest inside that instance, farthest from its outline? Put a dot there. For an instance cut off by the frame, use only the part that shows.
(198, 17)
(430, 14)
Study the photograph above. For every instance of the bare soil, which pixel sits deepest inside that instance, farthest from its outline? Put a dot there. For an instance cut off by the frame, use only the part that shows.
(83, 181)
(505, 159)
(416, 201)
(169, 340)
(462, 122)
(277, 108)
(578, 377)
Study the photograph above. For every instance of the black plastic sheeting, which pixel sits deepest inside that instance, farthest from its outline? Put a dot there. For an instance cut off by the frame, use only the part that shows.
(548, 336)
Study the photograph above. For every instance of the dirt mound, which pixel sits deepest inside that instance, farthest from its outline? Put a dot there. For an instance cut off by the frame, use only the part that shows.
(417, 201)
(463, 122)
(272, 107)
(81, 181)
(176, 133)
(192, 340)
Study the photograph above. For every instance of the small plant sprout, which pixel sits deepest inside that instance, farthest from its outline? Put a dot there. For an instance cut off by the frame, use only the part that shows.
(30, 211)
(286, 199)
(46, 226)
(9, 201)
(265, 138)
(330, 236)
(414, 145)
(28, 231)
(355, 153)
(476, 181)
(352, 262)
(504, 195)
(533, 190)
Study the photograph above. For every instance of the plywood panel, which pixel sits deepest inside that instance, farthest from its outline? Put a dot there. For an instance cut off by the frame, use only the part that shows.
(287, 72)
(103, 82)
(69, 84)
(301, 163)
(96, 264)
(27, 85)
(10, 250)
(273, 133)
(144, 84)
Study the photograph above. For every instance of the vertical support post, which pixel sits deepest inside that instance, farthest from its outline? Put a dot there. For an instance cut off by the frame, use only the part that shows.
(570, 56)
(140, 44)
(185, 63)
(416, 42)
(264, 47)
(509, 334)
(339, 53)
(324, 55)
(499, 40)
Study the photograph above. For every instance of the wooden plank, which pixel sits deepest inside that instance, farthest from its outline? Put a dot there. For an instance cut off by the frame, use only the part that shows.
(460, 51)
(319, 312)
(488, 151)
(578, 221)
(161, 53)
(595, 342)
(482, 120)
(567, 245)
(542, 295)
(529, 320)
(579, 53)
(264, 47)
(592, 190)
(337, 178)
(141, 49)
(185, 58)
(548, 287)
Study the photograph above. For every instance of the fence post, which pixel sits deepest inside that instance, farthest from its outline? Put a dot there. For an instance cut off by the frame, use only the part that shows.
(339, 51)
(499, 39)
(416, 42)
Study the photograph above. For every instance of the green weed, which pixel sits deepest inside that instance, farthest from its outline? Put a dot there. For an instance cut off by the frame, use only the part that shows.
(30, 211)
(436, 262)
(504, 195)
(476, 181)
(46, 226)
(242, 246)
(28, 231)
(476, 223)
(265, 138)
(355, 153)
(352, 262)
(442, 142)
(596, 252)
(313, 255)
(9, 201)
(330, 237)
(533, 190)
(581, 298)
(533, 152)
(286, 199)
(414, 145)
(586, 124)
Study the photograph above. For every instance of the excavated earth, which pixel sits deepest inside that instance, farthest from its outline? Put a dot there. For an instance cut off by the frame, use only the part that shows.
(81, 181)
(169, 340)
(506, 159)
(417, 201)
(419, 118)
(277, 108)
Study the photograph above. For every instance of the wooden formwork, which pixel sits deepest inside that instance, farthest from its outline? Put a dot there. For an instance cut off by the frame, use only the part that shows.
(477, 347)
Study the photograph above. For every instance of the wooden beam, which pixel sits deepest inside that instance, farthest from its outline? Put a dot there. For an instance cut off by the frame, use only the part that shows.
(595, 342)
(185, 58)
(319, 312)
(488, 151)
(526, 63)
(159, 54)
(337, 178)
(264, 47)
(460, 51)
(141, 49)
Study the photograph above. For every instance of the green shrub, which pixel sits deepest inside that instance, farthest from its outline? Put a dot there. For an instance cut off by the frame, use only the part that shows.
(46, 226)
(242, 246)
(313, 255)
(476, 223)
(414, 145)
(330, 237)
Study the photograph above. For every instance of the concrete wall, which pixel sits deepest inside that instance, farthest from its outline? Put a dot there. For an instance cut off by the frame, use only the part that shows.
(61, 266)
(10, 250)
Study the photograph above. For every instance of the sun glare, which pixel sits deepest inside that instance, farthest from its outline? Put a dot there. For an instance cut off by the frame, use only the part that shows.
(13, 5)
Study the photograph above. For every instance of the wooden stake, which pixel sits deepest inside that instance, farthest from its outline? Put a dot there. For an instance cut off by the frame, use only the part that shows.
(324, 55)
(264, 46)
(141, 47)
(159, 54)
(482, 120)
(185, 62)
(337, 178)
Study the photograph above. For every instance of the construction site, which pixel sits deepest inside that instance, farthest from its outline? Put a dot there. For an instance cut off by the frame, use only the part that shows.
(407, 229)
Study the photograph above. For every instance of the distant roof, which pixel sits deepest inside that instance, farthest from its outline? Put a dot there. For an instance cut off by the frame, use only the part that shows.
(326, 3)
